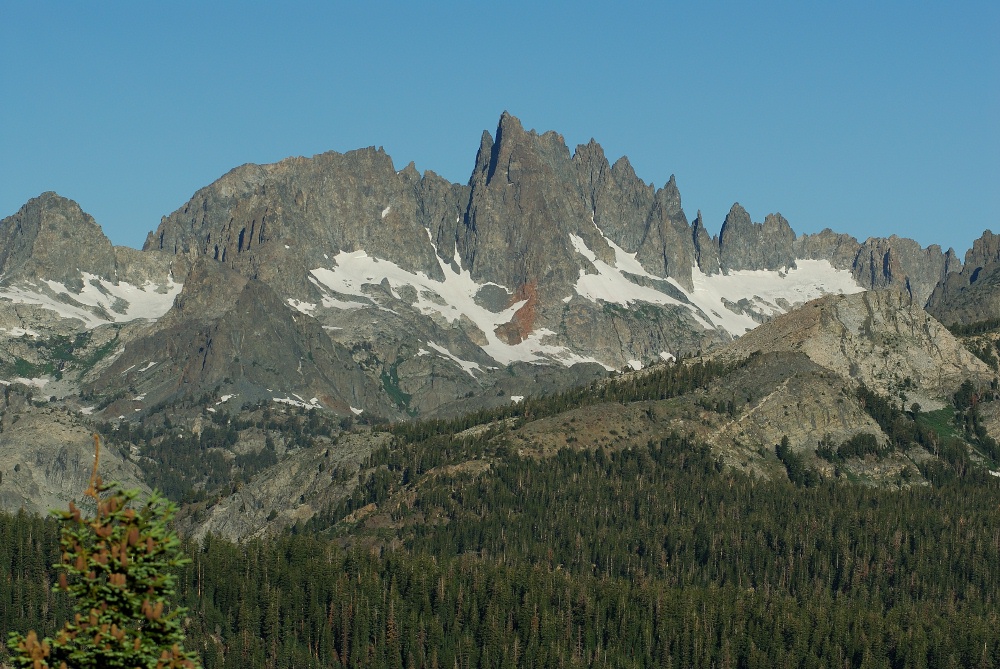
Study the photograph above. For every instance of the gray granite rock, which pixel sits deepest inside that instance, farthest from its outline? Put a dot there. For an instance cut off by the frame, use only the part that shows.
(744, 244)
(972, 294)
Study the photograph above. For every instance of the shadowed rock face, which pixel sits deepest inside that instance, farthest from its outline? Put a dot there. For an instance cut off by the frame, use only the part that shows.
(226, 331)
(972, 295)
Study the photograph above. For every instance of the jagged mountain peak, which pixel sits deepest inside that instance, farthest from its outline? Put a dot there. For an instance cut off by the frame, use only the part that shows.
(52, 237)
(545, 255)
(744, 244)
(984, 250)
(970, 294)
(56, 262)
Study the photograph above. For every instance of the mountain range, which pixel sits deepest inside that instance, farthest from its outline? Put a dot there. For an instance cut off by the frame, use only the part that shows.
(341, 286)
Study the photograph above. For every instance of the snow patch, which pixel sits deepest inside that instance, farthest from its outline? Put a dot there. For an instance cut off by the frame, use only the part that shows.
(304, 307)
(449, 300)
(635, 364)
(385, 212)
(667, 356)
(466, 365)
(87, 411)
(100, 301)
(610, 285)
(357, 412)
(19, 332)
(148, 366)
(770, 292)
(297, 402)
(516, 398)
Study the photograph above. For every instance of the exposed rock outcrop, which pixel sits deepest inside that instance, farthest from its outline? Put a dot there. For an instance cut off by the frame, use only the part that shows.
(902, 263)
(229, 334)
(880, 338)
(747, 245)
(972, 295)
(50, 237)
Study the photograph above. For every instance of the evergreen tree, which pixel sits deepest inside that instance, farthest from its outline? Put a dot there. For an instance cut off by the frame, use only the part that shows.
(116, 566)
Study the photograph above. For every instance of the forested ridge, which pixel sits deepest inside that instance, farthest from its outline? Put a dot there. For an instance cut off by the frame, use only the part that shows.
(456, 551)
(647, 557)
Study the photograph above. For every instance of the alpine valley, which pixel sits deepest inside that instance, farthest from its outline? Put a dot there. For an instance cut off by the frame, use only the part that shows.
(331, 346)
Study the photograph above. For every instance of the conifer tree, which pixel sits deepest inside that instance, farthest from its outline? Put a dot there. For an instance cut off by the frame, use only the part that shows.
(117, 567)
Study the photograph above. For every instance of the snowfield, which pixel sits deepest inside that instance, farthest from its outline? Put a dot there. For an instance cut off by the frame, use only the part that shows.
(450, 299)
(348, 284)
(770, 292)
(767, 290)
(99, 302)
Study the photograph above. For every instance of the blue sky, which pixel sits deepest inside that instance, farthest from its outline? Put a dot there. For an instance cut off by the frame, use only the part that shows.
(869, 118)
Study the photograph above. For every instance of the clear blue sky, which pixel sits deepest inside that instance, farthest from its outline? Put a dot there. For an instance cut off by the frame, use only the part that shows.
(869, 118)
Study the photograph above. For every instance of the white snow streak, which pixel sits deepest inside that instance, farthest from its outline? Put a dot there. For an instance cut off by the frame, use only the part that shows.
(99, 302)
(769, 292)
(610, 285)
(449, 299)
(298, 402)
(304, 307)
(466, 365)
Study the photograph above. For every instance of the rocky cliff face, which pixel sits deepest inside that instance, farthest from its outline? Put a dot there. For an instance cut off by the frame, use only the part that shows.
(276, 222)
(902, 263)
(59, 272)
(52, 238)
(378, 256)
(747, 245)
(229, 335)
(47, 456)
(973, 294)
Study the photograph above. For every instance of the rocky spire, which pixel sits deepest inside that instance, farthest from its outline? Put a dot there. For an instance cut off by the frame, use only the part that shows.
(747, 245)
